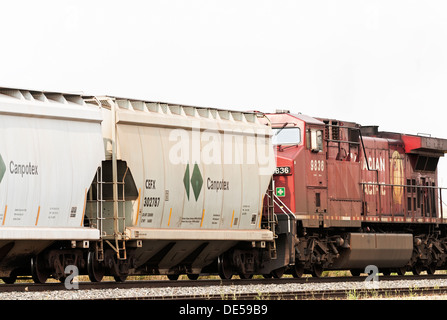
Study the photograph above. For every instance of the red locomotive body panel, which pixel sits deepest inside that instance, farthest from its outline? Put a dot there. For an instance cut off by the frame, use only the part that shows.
(341, 174)
(382, 167)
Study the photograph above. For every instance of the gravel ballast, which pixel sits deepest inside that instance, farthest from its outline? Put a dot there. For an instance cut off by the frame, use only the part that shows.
(262, 290)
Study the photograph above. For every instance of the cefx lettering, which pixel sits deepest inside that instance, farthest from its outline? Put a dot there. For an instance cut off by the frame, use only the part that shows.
(150, 184)
(23, 169)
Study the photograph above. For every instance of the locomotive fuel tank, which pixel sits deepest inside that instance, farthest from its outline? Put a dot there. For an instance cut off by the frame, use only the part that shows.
(381, 250)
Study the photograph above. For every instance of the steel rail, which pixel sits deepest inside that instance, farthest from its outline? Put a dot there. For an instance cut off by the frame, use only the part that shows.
(345, 294)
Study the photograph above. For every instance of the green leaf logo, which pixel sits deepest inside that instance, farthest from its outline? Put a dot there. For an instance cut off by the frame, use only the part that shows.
(186, 180)
(2, 168)
(196, 181)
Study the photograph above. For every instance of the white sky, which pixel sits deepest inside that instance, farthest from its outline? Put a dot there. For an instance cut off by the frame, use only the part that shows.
(372, 62)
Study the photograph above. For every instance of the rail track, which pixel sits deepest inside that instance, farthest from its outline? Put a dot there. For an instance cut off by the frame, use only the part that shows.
(359, 292)
(321, 295)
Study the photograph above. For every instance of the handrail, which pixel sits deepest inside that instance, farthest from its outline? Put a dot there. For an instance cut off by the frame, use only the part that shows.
(402, 185)
(437, 204)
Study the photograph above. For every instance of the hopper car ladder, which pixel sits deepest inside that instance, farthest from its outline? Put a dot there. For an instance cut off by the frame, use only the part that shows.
(119, 222)
(118, 218)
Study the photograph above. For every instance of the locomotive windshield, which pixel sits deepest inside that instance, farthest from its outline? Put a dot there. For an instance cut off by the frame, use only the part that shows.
(283, 136)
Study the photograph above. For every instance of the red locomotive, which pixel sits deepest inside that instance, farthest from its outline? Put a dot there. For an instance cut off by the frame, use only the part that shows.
(347, 196)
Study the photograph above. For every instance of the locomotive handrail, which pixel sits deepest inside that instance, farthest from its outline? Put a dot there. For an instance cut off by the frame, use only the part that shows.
(339, 126)
(343, 141)
(402, 185)
(283, 205)
(344, 127)
(439, 200)
(280, 204)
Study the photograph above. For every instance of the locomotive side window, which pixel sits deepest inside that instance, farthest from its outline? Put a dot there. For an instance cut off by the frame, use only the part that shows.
(424, 163)
(317, 200)
(283, 136)
(316, 140)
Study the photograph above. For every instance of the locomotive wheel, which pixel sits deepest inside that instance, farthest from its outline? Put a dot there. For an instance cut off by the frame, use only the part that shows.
(39, 273)
(224, 267)
(386, 272)
(245, 276)
(431, 269)
(267, 276)
(355, 272)
(94, 267)
(317, 271)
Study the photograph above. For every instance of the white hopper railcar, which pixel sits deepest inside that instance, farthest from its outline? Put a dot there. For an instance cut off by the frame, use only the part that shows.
(118, 186)
(50, 147)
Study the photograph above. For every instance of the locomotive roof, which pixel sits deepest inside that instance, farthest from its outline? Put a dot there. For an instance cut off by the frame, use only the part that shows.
(307, 119)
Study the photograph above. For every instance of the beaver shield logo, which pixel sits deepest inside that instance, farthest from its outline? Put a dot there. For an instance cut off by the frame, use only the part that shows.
(397, 176)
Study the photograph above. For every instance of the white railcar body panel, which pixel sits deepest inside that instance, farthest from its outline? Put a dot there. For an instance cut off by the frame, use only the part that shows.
(136, 233)
(195, 168)
(48, 233)
(50, 148)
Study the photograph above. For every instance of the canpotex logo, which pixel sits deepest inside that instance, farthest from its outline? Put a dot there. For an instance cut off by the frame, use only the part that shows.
(2, 168)
(195, 181)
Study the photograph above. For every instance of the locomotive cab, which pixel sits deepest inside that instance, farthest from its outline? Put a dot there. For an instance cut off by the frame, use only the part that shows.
(299, 144)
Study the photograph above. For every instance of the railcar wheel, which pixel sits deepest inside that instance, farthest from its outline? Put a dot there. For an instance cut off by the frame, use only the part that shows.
(267, 276)
(245, 276)
(193, 276)
(225, 269)
(39, 272)
(120, 278)
(417, 269)
(95, 268)
(9, 280)
(297, 270)
(317, 271)
(278, 273)
(173, 277)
